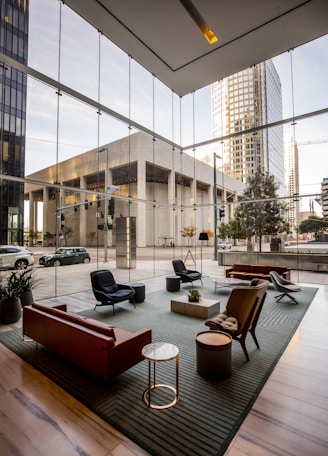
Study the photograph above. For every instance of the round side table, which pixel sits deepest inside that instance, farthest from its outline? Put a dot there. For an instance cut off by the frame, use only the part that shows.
(160, 352)
(213, 353)
(140, 292)
(173, 283)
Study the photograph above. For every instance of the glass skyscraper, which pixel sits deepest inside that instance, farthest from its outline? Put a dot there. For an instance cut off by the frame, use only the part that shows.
(13, 83)
(243, 102)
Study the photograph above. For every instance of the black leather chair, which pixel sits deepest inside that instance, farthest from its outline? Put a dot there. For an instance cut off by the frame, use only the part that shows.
(186, 275)
(107, 291)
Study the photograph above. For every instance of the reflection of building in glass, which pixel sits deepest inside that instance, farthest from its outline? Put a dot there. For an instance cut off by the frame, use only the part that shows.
(13, 43)
(244, 101)
(324, 197)
(292, 180)
(166, 193)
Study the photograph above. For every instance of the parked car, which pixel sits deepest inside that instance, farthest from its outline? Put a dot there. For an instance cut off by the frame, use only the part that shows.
(224, 245)
(65, 255)
(15, 257)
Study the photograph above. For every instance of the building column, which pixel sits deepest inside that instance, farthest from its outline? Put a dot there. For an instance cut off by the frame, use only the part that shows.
(45, 199)
(110, 220)
(83, 213)
(171, 201)
(141, 208)
(31, 222)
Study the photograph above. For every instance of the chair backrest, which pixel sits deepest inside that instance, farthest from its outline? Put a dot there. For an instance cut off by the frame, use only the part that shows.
(275, 277)
(245, 302)
(103, 280)
(178, 266)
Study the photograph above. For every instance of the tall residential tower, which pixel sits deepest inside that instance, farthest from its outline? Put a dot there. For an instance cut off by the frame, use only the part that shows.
(293, 183)
(243, 102)
(324, 196)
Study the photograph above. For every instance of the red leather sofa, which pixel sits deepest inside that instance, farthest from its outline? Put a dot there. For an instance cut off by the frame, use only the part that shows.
(252, 271)
(104, 350)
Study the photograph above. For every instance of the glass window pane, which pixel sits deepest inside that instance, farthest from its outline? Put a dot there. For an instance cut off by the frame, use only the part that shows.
(79, 58)
(43, 36)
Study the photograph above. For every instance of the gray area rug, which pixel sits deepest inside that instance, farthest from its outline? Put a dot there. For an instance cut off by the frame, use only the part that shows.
(209, 412)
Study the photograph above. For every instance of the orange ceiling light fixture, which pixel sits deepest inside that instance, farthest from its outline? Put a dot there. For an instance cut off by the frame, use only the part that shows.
(198, 19)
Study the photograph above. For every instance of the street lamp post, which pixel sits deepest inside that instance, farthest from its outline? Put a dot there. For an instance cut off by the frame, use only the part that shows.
(215, 209)
(215, 156)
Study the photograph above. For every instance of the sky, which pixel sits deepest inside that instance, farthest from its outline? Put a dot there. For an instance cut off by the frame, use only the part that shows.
(303, 74)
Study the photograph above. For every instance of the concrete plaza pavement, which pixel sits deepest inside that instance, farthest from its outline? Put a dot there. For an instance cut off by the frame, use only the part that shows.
(152, 266)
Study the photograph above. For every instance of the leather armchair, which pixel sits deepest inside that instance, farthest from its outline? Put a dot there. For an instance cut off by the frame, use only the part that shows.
(242, 312)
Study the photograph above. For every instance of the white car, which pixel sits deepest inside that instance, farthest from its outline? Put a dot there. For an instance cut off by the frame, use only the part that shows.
(224, 245)
(15, 257)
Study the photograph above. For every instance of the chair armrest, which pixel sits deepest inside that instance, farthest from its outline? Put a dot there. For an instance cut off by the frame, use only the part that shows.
(100, 295)
(122, 286)
(227, 271)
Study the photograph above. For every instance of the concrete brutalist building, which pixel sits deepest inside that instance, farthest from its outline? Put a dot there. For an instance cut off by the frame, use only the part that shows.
(164, 188)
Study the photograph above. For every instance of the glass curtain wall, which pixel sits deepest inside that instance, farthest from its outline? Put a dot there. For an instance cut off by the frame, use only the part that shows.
(106, 140)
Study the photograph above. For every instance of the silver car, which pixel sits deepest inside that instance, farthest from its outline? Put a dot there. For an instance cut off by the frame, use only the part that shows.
(224, 245)
(15, 257)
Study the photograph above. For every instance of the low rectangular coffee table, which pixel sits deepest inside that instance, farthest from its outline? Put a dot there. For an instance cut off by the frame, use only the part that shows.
(205, 308)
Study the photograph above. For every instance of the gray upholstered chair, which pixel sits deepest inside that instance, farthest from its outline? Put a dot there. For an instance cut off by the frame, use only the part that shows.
(285, 287)
(107, 291)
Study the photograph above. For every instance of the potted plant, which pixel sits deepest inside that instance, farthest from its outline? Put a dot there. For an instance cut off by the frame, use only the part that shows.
(194, 295)
(10, 291)
(27, 282)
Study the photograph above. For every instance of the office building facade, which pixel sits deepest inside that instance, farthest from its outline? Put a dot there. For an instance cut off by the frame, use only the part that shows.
(13, 86)
(161, 191)
(243, 102)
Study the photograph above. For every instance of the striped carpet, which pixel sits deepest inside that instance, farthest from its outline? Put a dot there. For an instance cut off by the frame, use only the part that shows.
(209, 413)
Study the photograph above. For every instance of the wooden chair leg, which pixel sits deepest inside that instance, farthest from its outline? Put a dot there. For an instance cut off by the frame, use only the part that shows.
(242, 341)
(252, 331)
(243, 346)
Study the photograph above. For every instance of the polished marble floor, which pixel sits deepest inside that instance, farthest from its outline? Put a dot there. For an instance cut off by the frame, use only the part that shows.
(290, 416)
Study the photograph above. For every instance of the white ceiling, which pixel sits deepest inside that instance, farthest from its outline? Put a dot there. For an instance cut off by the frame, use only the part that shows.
(161, 36)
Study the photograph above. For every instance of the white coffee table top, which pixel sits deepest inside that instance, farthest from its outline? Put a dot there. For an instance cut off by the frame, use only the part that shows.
(227, 281)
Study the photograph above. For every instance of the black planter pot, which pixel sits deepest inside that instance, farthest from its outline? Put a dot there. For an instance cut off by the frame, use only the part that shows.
(10, 311)
(26, 298)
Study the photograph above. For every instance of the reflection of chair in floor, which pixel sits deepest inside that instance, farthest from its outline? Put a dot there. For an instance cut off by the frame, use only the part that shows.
(186, 275)
(242, 312)
(107, 291)
(285, 287)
